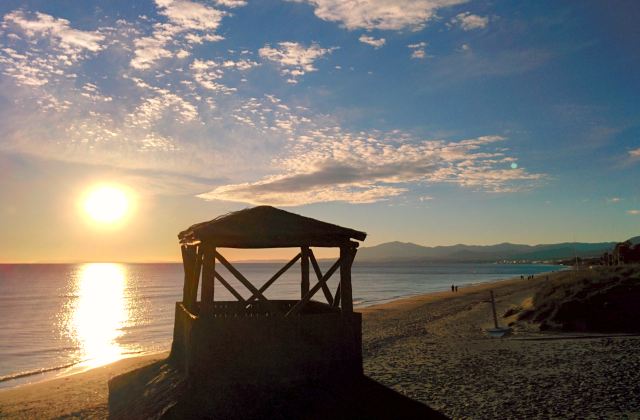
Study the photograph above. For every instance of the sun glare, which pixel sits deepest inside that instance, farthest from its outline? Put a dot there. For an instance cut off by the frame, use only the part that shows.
(99, 313)
(107, 204)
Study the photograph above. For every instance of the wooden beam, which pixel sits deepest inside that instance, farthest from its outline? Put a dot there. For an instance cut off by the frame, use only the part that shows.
(228, 286)
(336, 299)
(304, 267)
(275, 277)
(298, 306)
(239, 276)
(208, 278)
(347, 255)
(316, 268)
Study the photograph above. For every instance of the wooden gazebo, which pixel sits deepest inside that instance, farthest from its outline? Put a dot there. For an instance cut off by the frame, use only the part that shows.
(255, 339)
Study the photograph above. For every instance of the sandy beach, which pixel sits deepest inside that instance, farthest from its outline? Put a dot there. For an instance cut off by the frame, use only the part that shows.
(432, 348)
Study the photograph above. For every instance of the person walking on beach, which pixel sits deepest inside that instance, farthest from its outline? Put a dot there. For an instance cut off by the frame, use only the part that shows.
(456, 289)
(453, 288)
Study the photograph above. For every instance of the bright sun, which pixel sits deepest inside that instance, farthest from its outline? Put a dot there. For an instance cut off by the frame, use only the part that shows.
(107, 204)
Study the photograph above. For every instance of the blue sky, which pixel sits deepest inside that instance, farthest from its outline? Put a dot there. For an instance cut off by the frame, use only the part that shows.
(430, 121)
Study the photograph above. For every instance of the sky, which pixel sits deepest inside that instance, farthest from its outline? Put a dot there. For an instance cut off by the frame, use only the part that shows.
(429, 121)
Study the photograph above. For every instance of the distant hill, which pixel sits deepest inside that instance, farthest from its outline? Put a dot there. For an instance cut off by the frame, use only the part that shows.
(406, 251)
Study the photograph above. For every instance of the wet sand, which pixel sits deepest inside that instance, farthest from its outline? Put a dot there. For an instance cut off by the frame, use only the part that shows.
(432, 348)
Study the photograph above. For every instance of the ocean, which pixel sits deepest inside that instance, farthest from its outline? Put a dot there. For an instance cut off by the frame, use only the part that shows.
(61, 318)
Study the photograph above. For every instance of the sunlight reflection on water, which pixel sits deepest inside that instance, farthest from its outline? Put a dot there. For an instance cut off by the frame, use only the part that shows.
(97, 316)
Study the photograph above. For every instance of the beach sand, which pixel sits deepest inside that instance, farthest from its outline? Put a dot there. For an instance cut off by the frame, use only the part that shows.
(432, 348)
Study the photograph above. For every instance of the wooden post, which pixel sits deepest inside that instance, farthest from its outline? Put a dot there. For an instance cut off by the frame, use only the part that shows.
(195, 278)
(304, 266)
(493, 307)
(188, 261)
(208, 278)
(347, 254)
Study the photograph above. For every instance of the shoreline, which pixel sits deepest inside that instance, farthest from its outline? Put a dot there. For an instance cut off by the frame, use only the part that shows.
(56, 372)
(420, 346)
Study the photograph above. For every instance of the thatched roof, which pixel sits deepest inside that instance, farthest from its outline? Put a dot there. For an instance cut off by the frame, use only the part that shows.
(268, 227)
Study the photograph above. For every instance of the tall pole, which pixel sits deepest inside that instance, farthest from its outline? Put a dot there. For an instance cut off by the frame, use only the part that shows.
(493, 307)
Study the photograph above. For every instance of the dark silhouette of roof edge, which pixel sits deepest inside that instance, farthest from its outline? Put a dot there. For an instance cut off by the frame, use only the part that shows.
(268, 227)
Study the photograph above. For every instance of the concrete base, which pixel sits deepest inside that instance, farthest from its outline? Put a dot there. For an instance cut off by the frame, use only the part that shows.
(234, 346)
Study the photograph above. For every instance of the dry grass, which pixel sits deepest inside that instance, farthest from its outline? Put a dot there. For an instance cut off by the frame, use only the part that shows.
(603, 299)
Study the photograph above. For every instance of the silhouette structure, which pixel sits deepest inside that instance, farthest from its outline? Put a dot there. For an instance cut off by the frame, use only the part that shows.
(261, 358)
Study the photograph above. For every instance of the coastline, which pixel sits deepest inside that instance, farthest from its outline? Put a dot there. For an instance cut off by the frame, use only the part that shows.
(371, 294)
(86, 391)
(429, 347)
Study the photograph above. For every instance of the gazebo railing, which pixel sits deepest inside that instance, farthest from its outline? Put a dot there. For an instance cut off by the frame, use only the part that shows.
(200, 262)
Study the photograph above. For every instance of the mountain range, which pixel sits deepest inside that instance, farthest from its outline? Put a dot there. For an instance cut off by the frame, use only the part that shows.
(406, 251)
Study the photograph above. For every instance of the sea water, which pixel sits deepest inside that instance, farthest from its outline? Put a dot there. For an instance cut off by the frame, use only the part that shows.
(57, 318)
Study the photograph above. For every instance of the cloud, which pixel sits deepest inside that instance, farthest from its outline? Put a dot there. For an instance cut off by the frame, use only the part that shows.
(207, 73)
(294, 59)
(331, 165)
(379, 14)
(633, 212)
(469, 22)
(232, 4)
(375, 43)
(52, 47)
(614, 200)
(72, 41)
(418, 50)
(150, 49)
(186, 116)
(154, 108)
(184, 19)
(635, 153)
(190, 15)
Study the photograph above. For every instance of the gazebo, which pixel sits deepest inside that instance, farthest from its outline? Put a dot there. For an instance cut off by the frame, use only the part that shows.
(258, 340)
(254, 357)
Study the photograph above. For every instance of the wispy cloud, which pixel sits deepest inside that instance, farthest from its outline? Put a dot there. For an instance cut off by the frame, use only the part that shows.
(633, 212)
(418, 50)
(208, 73)
(231, 3)
(635, 153)
(71, 40)
(469, 22)
(374, 42)
(63, 47)
(330, 165)
(379, 14)
(165, 107)
(294, 58)
(193, 22)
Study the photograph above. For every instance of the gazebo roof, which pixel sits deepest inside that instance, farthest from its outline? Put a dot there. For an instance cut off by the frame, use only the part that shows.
(268, 227)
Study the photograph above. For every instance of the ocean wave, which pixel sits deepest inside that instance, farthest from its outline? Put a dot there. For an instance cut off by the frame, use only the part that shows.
(18, 375)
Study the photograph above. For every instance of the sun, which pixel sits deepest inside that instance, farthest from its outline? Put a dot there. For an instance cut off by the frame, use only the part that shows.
(107, 204)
